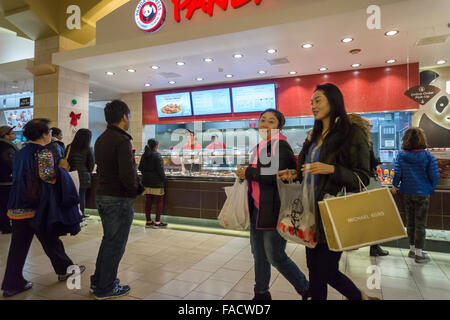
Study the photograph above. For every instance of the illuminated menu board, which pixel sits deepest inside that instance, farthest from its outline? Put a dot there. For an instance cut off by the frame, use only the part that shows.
(254, 98)
(211, 102)
(174, 105)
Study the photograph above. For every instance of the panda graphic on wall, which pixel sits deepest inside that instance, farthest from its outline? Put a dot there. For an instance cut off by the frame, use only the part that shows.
(434, 114)
(148, 13)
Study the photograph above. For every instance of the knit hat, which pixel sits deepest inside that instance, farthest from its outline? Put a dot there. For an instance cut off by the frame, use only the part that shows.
(4, 130)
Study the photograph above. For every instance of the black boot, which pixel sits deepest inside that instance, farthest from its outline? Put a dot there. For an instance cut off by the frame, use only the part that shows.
(262, 296)
(376, 250)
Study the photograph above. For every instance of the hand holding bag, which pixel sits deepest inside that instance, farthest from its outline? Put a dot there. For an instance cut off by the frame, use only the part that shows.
(235, 212)
(297, 219)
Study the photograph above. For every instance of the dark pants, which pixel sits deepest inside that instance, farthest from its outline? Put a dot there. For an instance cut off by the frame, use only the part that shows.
(148, 206)
(416, 208)
(82, 194)
(323, 265)
(22, 235)
(269, 248)
(5, 224)
(117, 215)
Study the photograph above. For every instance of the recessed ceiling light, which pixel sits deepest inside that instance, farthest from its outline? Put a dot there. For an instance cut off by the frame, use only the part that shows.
(90, 92)
(347, 40)
(172, 82)
(199, 79)
(229, 76)
(441, 62)
(391, 61)
(307, 46)
(323, 69)
(391, 33)
(261, 72)
(131, 70)
(271, 51)
(155, 67)
(147, 84)
(356, 65)
(15, 87)
(109, 73)
(293, 72)
(208, 59)
(180, 63)
(238, 56)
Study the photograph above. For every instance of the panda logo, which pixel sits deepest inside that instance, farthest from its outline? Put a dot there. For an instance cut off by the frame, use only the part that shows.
(150, 15)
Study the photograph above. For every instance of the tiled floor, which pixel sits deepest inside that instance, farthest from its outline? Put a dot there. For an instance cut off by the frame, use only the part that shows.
(172, 264)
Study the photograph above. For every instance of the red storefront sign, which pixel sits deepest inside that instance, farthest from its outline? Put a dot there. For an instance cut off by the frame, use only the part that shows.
(207, 6)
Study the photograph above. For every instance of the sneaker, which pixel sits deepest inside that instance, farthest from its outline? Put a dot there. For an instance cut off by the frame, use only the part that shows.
(411, 254)
(10, 293)
(160, 225)
(93, 286)
(377, 251)
(423, 259)
(63, 277)
(149, 224)
(117, 292)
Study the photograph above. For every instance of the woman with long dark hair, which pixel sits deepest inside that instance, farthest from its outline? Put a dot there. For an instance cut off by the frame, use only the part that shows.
(334, 152)
(153, 179)
(81, 159)
(268, 247)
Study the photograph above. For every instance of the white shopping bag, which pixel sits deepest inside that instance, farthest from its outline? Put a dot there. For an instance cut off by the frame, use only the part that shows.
(235, 213)
(297, 219)
(76, 181)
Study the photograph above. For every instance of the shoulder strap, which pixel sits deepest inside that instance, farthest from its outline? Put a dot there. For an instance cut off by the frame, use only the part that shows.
(68, 152)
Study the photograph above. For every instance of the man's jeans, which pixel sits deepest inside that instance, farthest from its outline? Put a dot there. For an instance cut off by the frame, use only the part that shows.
(268, 248)
(117, 215)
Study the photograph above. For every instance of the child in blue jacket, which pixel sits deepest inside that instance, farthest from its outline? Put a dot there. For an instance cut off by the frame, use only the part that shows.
(416, 176)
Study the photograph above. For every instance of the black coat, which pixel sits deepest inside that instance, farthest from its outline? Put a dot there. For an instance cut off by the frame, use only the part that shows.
(349, 155)
(116, 166)
(7, 154)
(269, 198)
(152, 169)
(83, 162)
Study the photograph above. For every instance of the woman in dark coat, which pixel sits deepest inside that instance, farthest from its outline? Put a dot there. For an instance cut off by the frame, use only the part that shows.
(153, 178)
(33, 212)
(81, 159)
(268, 247)
(334, 152)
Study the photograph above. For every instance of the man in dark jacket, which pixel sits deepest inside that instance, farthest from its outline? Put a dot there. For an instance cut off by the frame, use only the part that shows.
(7, 153)
(118, 184)
(57, 146)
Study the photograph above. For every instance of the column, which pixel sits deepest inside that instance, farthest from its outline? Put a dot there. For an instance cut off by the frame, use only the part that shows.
(56, 87)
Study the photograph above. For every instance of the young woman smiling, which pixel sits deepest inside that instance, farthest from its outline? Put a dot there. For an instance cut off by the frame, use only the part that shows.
(268, 247)
(334, 152)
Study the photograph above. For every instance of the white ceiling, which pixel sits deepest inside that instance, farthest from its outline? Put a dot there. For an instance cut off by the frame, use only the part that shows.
(14, 77)
(415, 19)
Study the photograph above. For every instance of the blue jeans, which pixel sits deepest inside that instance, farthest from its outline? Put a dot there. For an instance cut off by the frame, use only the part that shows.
(117, 215)
(268, 248)
(82, 194)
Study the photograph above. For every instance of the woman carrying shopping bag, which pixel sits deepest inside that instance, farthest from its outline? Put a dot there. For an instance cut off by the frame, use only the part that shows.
(416, 176)
(271, 155)
(332, 153)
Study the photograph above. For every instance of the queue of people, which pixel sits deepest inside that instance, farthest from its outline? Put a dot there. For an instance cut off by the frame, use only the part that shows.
(337, 152)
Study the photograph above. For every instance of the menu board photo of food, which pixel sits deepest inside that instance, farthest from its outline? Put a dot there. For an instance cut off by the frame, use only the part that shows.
(174, 105)
(18, 118)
